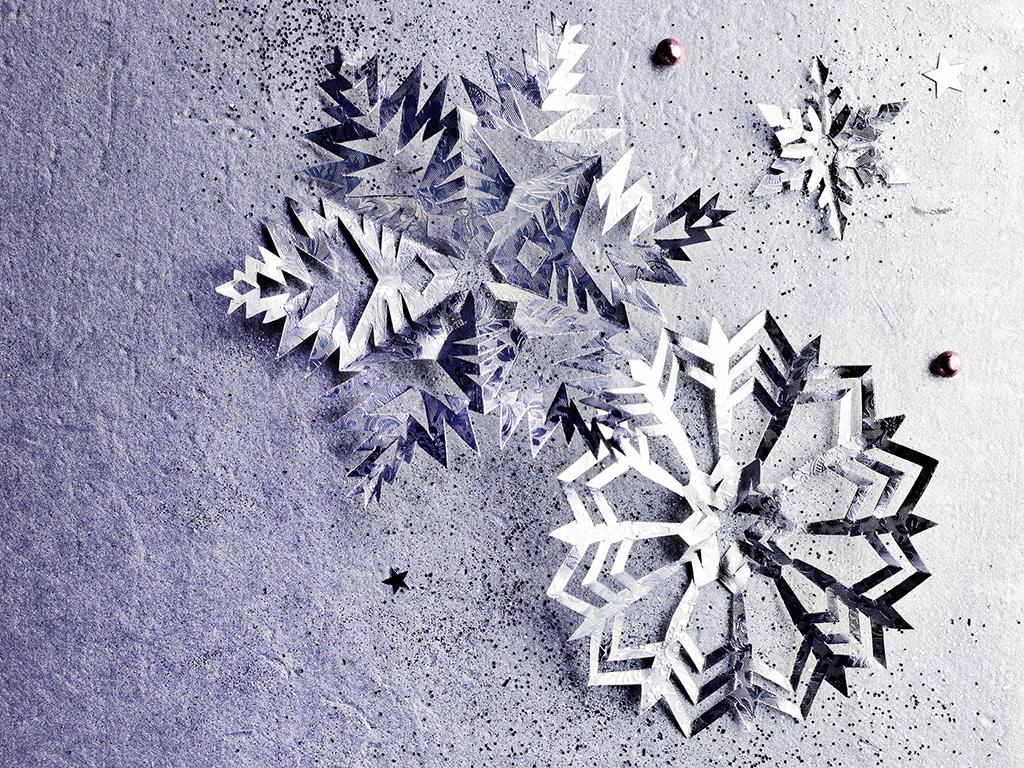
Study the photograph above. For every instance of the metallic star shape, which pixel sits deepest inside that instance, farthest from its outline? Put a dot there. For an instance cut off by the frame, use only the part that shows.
(945, 76)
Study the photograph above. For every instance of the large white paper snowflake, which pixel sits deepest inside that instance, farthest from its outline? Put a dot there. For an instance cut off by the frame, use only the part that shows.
(740, 548)
(829, 149)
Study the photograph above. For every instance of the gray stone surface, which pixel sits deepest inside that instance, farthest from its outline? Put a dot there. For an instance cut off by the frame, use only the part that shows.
(185, 582)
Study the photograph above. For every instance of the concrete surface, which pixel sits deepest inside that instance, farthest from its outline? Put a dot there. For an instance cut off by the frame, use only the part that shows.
(185, 583)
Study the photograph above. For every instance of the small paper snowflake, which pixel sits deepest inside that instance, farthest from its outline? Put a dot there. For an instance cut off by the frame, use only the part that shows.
(830, 148)
(749, 566)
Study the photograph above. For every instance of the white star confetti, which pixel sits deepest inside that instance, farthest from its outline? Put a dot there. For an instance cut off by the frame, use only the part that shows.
(945, 76)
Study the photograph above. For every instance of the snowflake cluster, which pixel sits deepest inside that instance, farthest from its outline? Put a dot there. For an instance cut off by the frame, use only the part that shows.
(474, 256)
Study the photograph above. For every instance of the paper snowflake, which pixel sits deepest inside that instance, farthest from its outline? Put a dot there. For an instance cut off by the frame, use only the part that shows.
(749, 566)
(830, 148)
(453, 241)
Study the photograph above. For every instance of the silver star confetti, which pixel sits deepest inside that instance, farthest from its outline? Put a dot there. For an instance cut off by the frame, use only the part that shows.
(745, 567)
(829, 149)
(945, 76)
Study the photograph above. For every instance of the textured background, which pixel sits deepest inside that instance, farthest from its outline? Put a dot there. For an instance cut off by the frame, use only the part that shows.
(185, 582)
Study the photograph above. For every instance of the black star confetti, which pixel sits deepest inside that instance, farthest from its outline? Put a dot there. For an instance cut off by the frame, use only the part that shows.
(396, 581)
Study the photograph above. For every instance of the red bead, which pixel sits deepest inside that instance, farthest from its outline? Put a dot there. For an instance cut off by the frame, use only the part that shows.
(947, 364)
(668, 52)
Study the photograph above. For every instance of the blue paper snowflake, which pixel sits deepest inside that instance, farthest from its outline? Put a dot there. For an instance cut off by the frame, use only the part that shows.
(451, 238)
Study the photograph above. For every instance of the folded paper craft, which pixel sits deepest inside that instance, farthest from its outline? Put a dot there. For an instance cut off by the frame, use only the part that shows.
(453, 241)
(480, 260)
(736, 567)
(830, 149)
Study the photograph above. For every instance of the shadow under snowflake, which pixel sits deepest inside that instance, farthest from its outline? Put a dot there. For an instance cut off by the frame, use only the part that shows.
(753, 565)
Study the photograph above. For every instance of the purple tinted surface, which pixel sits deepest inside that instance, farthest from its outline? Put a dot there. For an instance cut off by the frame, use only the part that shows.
(185, 583)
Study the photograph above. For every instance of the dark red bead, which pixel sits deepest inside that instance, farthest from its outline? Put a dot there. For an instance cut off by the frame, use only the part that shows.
(668, 52)
(947, 364)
